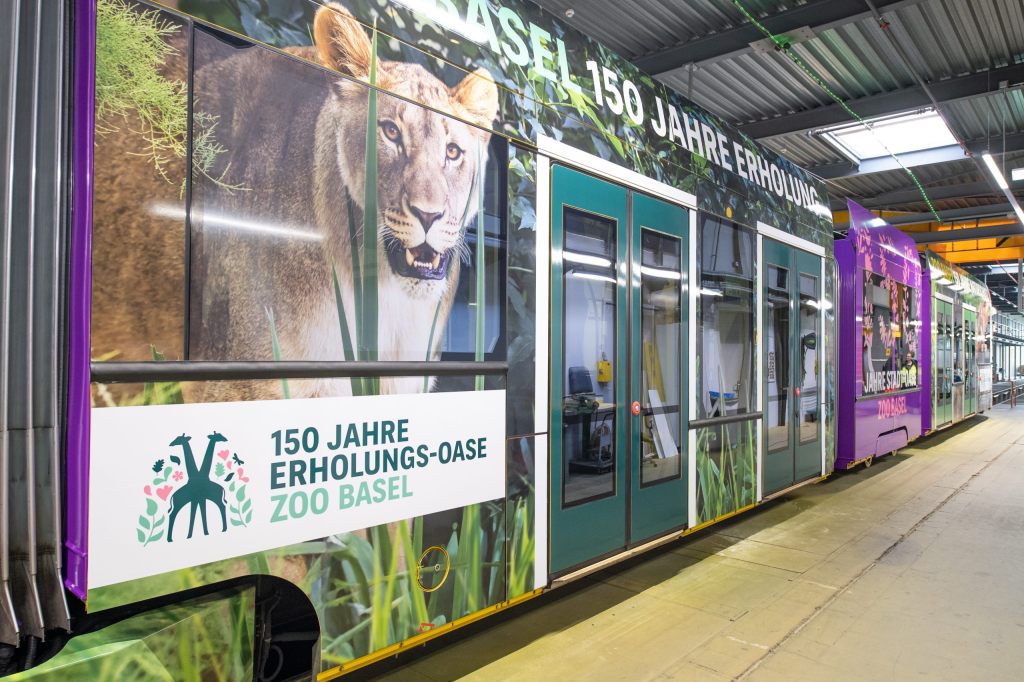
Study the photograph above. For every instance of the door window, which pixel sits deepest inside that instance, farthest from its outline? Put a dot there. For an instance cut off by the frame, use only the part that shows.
(588, 407)
(661, 340)
(777, 371)
(808, 353)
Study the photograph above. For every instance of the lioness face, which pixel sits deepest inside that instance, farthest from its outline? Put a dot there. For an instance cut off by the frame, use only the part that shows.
(427, 164)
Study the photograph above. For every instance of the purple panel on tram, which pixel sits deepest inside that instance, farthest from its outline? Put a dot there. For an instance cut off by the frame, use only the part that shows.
(882, 364)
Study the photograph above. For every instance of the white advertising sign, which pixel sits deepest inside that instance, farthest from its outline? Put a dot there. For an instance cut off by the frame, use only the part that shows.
(172, 486)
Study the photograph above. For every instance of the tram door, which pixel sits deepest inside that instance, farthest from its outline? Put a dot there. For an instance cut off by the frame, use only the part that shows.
(942, 361)
(970, 362)
(618, 329)
(791, 292)
(958, 361)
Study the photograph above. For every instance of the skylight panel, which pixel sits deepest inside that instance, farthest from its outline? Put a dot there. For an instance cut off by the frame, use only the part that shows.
(900, 134)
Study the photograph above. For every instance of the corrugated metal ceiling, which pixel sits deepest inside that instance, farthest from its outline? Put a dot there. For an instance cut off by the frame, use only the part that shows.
(942, 39)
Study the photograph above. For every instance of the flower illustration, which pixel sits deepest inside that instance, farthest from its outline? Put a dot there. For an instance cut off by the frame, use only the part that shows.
(178, 476)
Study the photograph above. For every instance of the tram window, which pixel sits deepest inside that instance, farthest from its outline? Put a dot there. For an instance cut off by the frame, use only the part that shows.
(588, 406)
(661, 325)
(777, 335)
(958, 343)
(266, 261)
(725, 319)
(809, 311)
(890, 335)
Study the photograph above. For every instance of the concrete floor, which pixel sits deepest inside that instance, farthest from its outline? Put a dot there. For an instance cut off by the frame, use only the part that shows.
(913, 568)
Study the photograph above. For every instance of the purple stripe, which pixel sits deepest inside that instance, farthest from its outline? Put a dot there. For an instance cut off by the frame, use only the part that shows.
(925, 366)
(79, 291)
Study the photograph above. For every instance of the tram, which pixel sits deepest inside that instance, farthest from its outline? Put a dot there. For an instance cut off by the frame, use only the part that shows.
(385, 315)
(917, 331)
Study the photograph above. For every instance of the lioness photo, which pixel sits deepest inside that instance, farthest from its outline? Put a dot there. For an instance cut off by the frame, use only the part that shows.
(277, 209)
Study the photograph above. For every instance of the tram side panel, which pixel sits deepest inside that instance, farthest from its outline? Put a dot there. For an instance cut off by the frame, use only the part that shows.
(268, 242)
(255, 207)
(880, 390)
(961, 335)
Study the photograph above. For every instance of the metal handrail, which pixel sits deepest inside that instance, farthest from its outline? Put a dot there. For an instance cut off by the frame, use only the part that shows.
(140, 372)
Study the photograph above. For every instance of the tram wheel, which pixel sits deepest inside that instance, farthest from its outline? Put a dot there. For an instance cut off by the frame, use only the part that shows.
(869, 461)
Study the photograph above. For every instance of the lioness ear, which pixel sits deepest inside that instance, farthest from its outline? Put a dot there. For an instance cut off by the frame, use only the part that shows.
(478, 95)
(341, 41)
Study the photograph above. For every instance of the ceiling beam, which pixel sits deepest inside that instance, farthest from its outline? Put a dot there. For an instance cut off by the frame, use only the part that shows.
(983, 255)
(913, 195)
(965, 234)
(846, 169)
(971, 213)
(818, 15)
(948, 90)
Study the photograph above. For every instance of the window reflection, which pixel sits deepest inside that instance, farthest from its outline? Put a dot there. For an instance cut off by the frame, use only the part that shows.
(725, 318)
(588, 406)
(777, 372)
(809, 310)
(661, 341)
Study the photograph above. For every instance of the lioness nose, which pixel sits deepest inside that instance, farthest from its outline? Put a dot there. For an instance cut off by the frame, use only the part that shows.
(426, 218)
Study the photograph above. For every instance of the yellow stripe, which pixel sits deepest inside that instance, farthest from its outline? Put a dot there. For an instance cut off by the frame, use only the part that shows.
(422, 638)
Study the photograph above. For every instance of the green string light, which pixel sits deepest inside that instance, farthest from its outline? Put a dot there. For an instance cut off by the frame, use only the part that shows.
(784, 46)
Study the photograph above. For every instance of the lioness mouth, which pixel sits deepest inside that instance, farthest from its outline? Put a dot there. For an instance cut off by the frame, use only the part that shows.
(421, 262)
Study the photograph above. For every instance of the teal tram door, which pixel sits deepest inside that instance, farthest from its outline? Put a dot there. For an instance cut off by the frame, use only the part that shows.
(618, 334)
(791, 292)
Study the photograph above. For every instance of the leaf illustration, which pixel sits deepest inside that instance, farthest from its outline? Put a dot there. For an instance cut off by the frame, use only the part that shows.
(246, 505)
(235, 523)
(144, 522)
(150, 506)
(141, 535)
(248, 518)
(158, 465)
(156, 537)
(167, 473)
(158, 522)
(230, 476)
(240, 494)
(219, 469)
(175, 459)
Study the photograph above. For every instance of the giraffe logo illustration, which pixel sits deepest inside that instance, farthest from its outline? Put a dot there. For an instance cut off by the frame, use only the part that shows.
(217, 485)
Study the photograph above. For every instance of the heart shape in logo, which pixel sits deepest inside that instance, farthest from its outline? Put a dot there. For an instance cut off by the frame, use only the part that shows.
(223, 454)
(163, 492)
(147, 490)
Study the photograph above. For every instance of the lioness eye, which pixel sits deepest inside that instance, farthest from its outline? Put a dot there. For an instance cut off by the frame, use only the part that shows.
(391, 131)
(454, 152)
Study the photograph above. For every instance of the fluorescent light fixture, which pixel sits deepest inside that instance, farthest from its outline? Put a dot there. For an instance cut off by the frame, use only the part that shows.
(1017, 174)
(898, 134)
(1000, 179)
(710, 292)
(659, 273)
(993, 168)
(594, 276)
(586, 259)
(942, 281)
